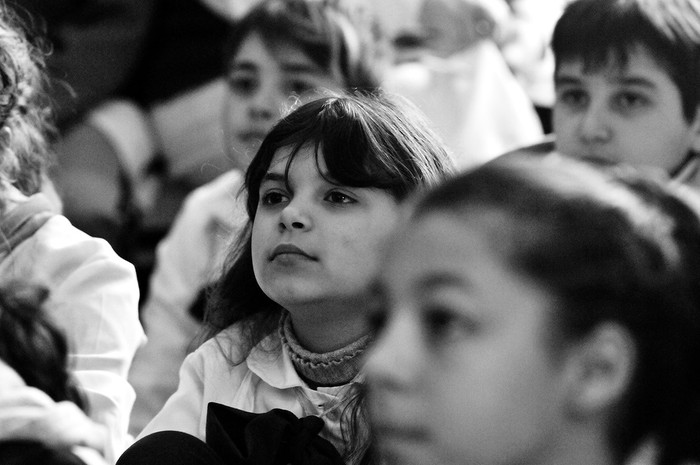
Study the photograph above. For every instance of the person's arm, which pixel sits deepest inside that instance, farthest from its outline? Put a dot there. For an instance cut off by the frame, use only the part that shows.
(187, 259)
(27, 413)
(174, 285)
(186, 408)
(94, 300)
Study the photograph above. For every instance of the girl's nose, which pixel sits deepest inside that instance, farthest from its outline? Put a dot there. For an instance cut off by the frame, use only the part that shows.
(394, 362)
(265, 105)
(293, 218)
(261, 110)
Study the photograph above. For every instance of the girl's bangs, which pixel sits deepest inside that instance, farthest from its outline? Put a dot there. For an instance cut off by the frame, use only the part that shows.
(344, 141)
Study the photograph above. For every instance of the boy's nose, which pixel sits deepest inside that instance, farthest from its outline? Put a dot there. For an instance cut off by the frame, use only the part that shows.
(593, 126)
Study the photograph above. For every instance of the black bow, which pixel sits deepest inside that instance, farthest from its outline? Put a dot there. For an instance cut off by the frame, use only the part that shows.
(276, 437)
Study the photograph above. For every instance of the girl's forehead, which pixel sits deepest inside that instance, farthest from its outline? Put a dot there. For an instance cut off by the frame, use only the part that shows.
(286, 159)
(256, 42)
(287, 51)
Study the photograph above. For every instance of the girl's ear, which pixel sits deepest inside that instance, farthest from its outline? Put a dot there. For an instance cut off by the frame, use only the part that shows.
(599, 369)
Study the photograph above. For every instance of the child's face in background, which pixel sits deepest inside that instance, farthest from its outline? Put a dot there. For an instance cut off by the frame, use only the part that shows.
(264, 81)
(460, 369)
(315, 244)
(632, 114)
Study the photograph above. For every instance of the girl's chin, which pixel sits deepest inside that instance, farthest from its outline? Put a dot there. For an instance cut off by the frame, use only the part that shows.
(292, 298)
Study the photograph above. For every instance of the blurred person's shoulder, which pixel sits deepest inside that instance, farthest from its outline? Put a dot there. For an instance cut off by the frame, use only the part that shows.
(545, 147)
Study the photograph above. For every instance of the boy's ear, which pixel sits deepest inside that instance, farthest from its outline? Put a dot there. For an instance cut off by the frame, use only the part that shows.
(695, 131)
(599, 370)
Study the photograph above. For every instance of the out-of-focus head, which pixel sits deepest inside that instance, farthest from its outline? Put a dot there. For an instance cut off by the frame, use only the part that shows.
(286, 52)
(25, 116)
(540, 297)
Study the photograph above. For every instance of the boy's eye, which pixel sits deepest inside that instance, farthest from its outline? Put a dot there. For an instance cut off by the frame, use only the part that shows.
(272, 198)
(339, 197)
(242, 84)
(575, 98)
(629, 101)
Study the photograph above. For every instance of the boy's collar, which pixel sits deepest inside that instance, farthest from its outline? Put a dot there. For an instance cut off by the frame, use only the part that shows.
(686, 171)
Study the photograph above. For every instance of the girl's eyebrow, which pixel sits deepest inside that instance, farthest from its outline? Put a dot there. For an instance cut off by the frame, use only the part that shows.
(243, 66)
(302, 68)
(293, 67)
(562, 80)
(440, 279)
(273, 177)
(377, 288)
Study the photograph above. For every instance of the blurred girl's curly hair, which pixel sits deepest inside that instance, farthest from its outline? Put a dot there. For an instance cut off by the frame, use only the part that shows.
(32, 345)
(25, 112)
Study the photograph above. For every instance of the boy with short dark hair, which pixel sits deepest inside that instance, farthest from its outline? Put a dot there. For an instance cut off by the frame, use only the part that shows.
(627, 81)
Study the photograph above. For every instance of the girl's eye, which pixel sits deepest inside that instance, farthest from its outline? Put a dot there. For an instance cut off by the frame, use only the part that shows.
(299, 87)
(377, 320)
(573, 98)
(272, 198)
(339, 197)
(630, 101)
(444, 326)
(242, 84)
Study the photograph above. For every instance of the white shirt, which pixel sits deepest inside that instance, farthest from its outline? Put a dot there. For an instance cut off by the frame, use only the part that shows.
(94, 301)
(264, 381)
(189, 258)
(27, 413)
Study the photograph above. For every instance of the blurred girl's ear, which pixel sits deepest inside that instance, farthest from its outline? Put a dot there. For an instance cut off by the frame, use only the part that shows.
(599, 370)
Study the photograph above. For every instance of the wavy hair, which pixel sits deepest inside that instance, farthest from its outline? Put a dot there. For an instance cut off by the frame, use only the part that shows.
(26, 120)
(32, 345)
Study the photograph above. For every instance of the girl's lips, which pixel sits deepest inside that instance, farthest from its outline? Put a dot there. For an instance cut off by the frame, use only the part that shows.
(288, 249)
(252, 136)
